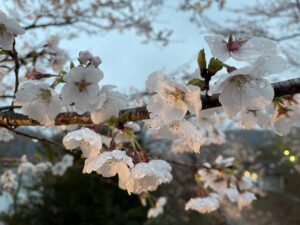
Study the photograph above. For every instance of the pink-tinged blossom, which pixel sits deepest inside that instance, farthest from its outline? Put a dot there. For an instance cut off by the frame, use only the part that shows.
(36, 75)
(240, 47)
(96, 61)
(85, 57)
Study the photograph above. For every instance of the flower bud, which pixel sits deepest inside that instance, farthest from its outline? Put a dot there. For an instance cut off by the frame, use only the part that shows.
(85, 57)
(36, 75)
(96, 61)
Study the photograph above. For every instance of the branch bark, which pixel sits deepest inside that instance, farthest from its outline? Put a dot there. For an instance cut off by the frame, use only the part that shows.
(9, 118)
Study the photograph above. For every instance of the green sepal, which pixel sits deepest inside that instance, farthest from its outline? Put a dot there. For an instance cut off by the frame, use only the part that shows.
(214, 66)
(197, 82)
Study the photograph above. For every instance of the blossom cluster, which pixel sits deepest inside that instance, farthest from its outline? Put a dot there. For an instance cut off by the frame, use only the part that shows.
(137, 175)
(245, 93)
(9, 179)
(224, 183)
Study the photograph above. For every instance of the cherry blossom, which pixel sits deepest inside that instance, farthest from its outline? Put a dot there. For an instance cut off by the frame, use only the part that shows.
(148, 176)
(81, 88)
(36, 75)
(85, 138)
(85, 57)
(109, 104)
(286, 115)
(246, 86)
(8, 181)
(158, 209)
(60, 167)
(232, 193)
(240, 47)
(203, 205)
(172, 100)
(249, 119)
(111, 163)
(185, 135)
(58, 55)
(26, 166)
(9, 29)
(43, 167)
(5, 135)
(245, 199)
(39, 101)
(241, 195)
(213, 177)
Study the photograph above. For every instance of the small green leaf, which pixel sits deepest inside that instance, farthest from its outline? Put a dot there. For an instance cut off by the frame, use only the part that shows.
(72, 65)
(202, 62)
(197, 82)
(112, 121)
(214, 66)
(3, 52)
(129, 134)
(124, 117)
(197, 178)
(60, 80)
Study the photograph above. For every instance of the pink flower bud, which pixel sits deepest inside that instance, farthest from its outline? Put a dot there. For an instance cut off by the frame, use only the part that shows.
(36, 75)
(96, 61)
(85, 57)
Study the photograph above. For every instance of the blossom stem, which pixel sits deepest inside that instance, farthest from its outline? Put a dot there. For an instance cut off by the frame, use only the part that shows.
(14, 55)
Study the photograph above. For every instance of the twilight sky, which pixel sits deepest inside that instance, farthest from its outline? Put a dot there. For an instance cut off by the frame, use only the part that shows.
(127, 61)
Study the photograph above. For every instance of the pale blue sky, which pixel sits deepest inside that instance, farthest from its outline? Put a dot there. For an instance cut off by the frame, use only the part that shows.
(127, 62)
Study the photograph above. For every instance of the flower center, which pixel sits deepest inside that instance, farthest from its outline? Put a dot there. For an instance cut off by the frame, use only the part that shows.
(240, 80)
(173, 96)
(2, 28)
(45, 95)
(235, 44)
(175, 127)
(82, 85)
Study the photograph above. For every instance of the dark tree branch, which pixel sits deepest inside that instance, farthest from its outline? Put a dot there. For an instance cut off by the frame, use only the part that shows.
(8, 118)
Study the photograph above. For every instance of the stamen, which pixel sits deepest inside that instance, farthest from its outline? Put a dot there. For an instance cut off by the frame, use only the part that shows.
(82, 85)
(45, 95)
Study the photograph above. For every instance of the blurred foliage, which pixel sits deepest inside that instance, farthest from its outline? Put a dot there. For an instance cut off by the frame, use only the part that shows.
(77, 199)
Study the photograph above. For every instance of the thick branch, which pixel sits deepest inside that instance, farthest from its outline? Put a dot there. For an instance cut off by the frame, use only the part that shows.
(9, 118)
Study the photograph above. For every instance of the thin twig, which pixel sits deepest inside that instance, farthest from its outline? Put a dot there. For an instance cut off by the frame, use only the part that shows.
(14, 55)
(6, 96)
(33, 137)
(184, 165)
